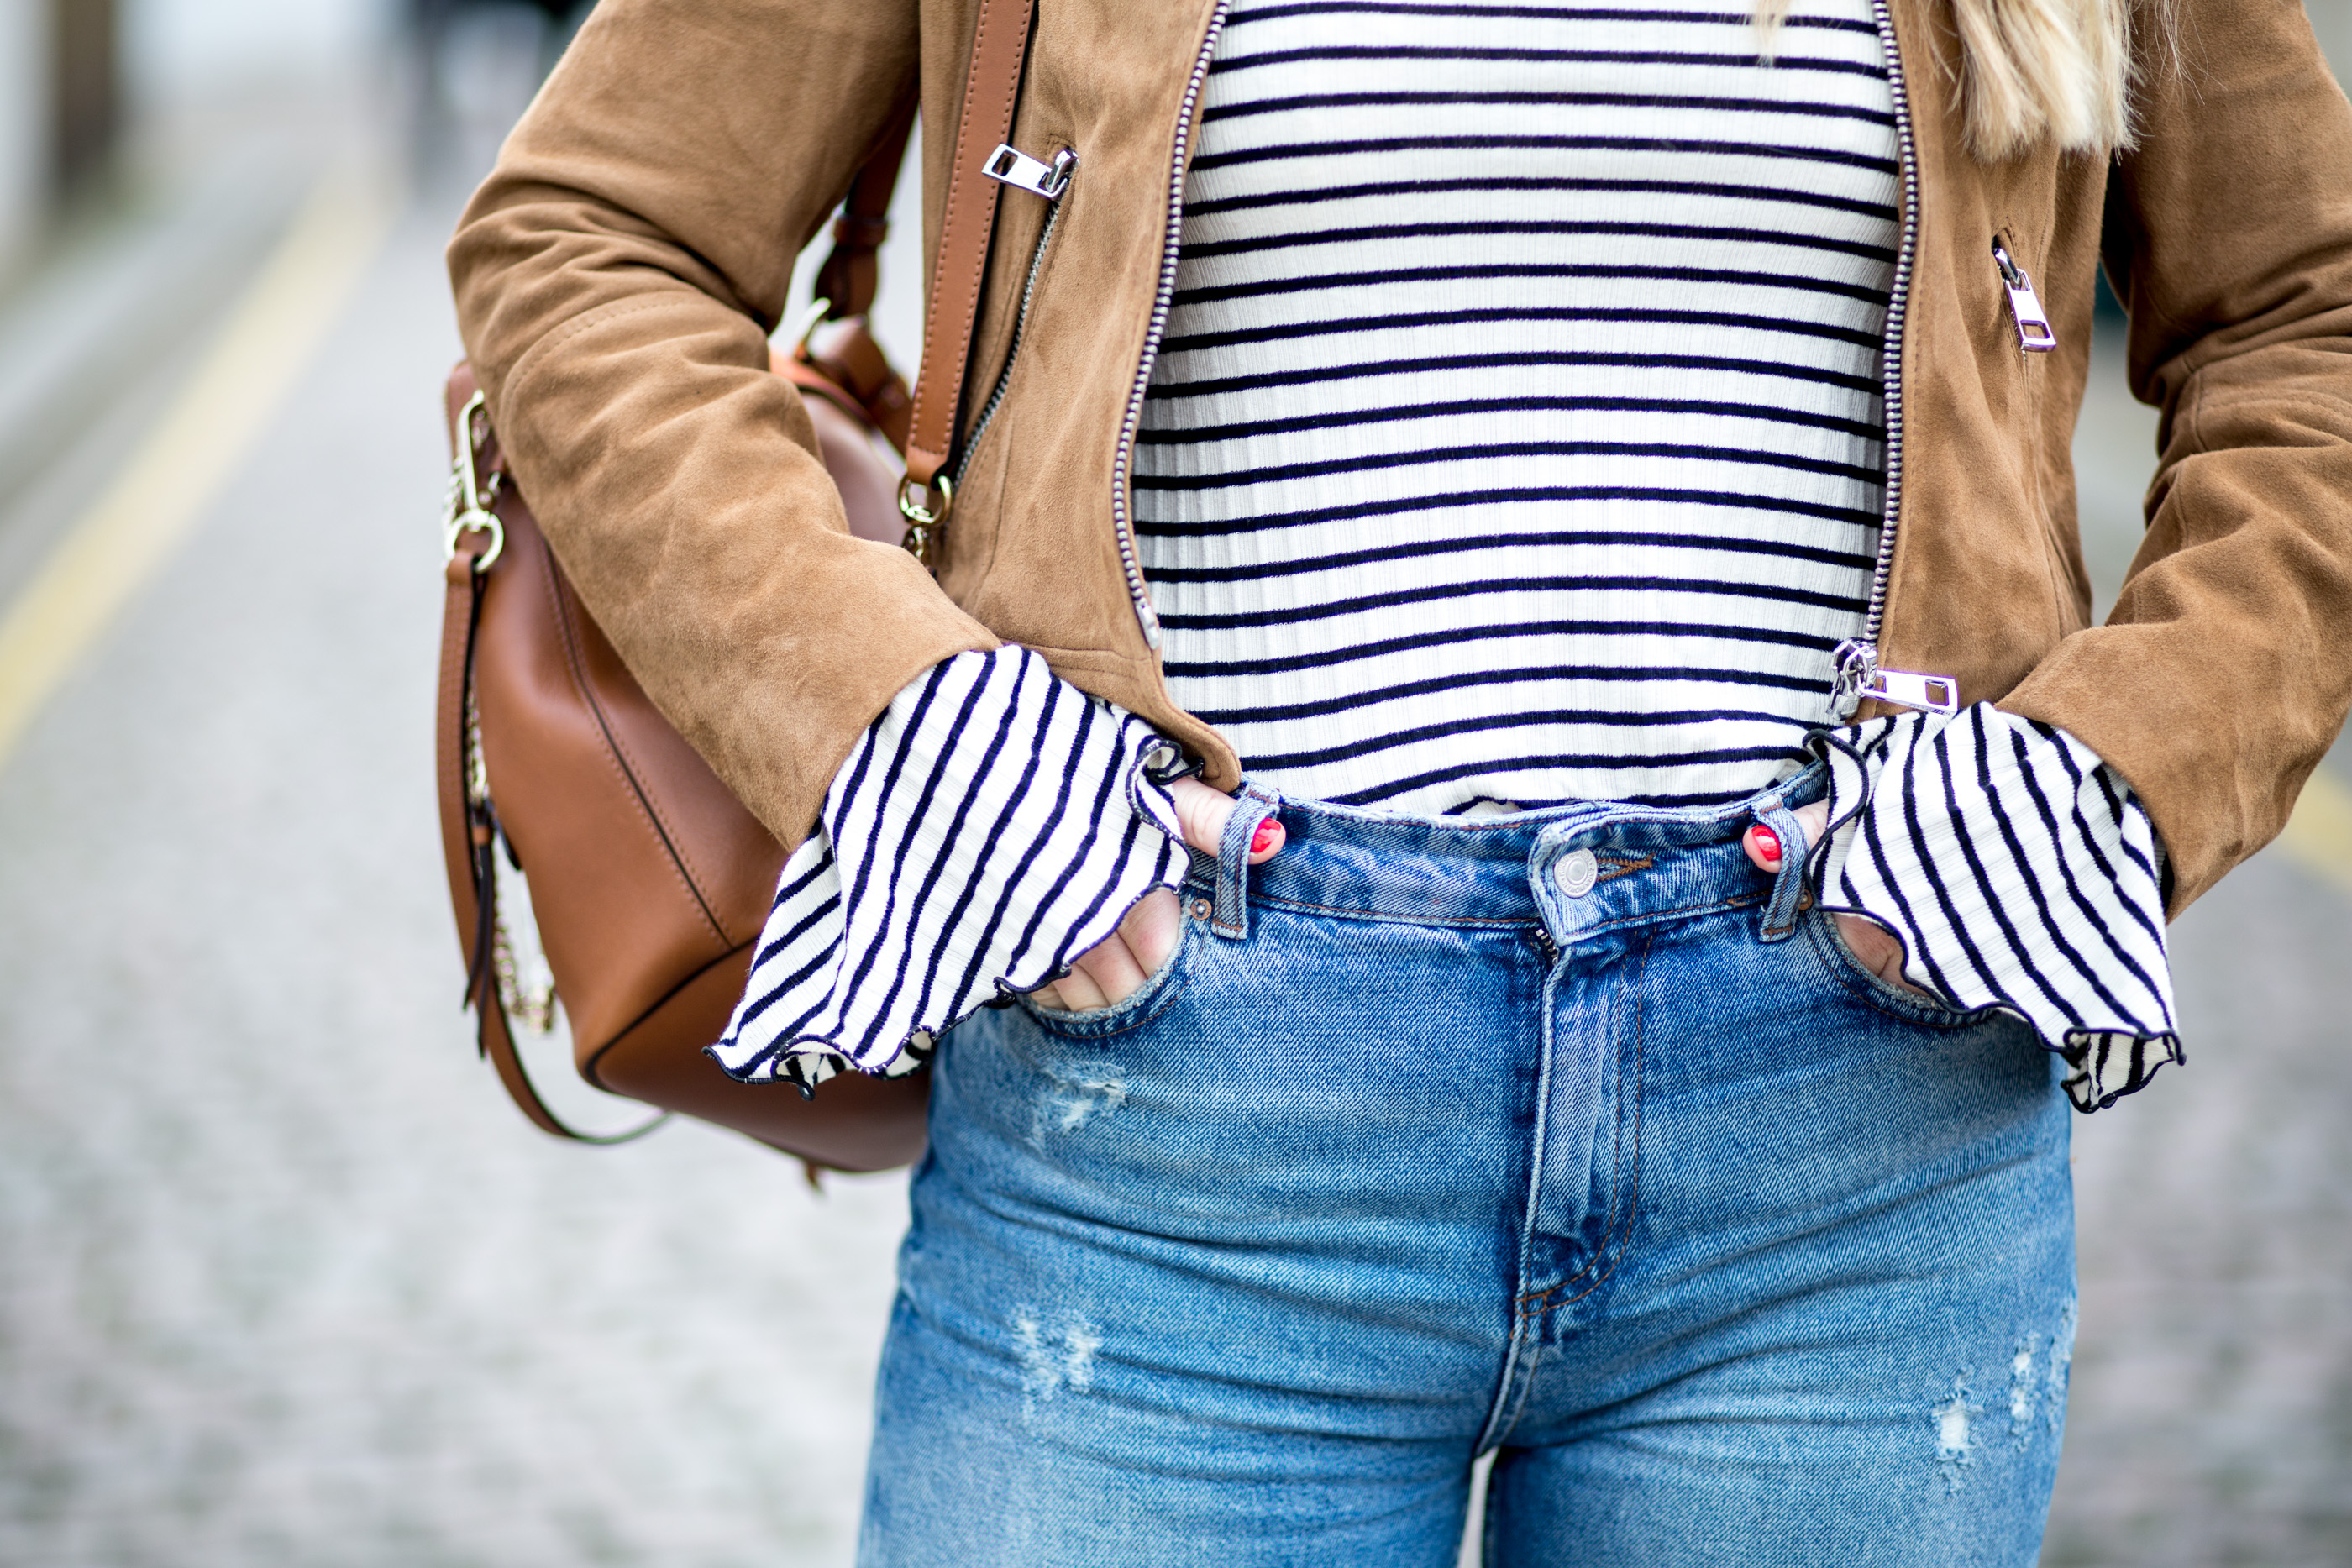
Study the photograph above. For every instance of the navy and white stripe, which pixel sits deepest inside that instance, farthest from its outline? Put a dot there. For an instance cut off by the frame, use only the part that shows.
(991, 825)
(2019, 874)
(1516, 435)
(1516, 440)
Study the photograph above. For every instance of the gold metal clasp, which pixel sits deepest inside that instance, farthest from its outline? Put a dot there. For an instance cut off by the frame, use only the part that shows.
(470, 501)
(924, 516)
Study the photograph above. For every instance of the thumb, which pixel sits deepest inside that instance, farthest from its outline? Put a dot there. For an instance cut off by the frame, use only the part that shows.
(1204, 813)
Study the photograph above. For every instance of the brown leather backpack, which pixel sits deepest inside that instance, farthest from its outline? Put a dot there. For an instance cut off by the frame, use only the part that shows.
(648, 881)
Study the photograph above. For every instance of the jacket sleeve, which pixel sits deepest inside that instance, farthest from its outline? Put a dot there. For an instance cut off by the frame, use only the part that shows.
(616, 278)
(2225, 670)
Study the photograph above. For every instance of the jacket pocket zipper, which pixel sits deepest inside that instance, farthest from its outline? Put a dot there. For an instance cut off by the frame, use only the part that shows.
(2033, 333)
(1050, 181)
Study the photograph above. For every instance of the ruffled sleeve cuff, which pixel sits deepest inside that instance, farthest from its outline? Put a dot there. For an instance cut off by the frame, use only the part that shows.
(992, 824)
(2019, 873)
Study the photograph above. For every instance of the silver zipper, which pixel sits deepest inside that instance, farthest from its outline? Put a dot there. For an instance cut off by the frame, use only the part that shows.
(1145, 616)
(1011, 166)
(1857, 672)
(1056, 181)
(2033, 333)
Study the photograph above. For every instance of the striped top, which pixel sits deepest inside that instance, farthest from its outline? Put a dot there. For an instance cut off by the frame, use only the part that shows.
(1514, 439)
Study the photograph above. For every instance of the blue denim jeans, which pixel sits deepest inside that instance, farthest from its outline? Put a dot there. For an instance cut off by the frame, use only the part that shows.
(1571, 1136)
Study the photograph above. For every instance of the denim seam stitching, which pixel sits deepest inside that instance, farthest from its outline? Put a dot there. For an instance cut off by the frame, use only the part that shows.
(1524, 1383)
(1511, 1393)
(1614, 1249)
(1738, 900)
(1346, 911)
(1616, 1155)
(1614, 1242)
(1624, 1240)
(1614, 1245)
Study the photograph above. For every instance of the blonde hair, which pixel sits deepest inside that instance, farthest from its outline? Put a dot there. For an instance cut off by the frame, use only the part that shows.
(2033, 69)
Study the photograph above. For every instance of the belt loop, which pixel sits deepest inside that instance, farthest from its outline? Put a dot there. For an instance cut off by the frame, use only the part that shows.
(1788, 887)
(1254, 805)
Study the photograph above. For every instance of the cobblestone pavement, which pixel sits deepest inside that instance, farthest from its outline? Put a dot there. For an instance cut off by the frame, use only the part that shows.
(283, 1281)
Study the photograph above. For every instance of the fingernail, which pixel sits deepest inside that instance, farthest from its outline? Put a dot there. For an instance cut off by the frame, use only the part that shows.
(1768, 843)
(1268, 834)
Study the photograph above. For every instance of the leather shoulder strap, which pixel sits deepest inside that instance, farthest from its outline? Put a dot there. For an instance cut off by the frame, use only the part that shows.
(848, 276)
(837, 358)
(1000, 42)
(460, 606)
(470, 845)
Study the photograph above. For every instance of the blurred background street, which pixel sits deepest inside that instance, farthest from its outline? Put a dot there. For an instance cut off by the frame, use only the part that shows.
(283, 1279)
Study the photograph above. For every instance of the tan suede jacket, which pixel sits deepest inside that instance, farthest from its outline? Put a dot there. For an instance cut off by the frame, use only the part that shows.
(617, 276)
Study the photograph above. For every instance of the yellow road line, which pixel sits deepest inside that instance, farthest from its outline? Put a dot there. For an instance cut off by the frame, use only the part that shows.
(175, 475)
(2319, 834)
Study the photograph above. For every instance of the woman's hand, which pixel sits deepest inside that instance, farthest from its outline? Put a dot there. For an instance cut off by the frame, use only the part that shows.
(1116, 968)
(1872, 944)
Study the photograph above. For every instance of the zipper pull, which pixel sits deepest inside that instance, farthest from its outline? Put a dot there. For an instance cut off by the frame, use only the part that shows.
(1015, 168)
(2033, 333)
(1929, 693)
(1859, 677)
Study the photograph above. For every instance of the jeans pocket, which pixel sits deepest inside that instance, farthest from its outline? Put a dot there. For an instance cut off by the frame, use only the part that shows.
(1159, 991)
(1856, 978)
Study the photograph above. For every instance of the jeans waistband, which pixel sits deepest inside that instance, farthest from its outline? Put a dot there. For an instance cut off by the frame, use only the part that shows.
(1576, 868)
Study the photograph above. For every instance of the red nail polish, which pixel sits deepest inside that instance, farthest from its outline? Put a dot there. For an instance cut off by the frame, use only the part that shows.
(1768, 843)
(1263, 840)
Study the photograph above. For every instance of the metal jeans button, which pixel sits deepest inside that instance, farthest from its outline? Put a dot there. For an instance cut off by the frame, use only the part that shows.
(1576, 872)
